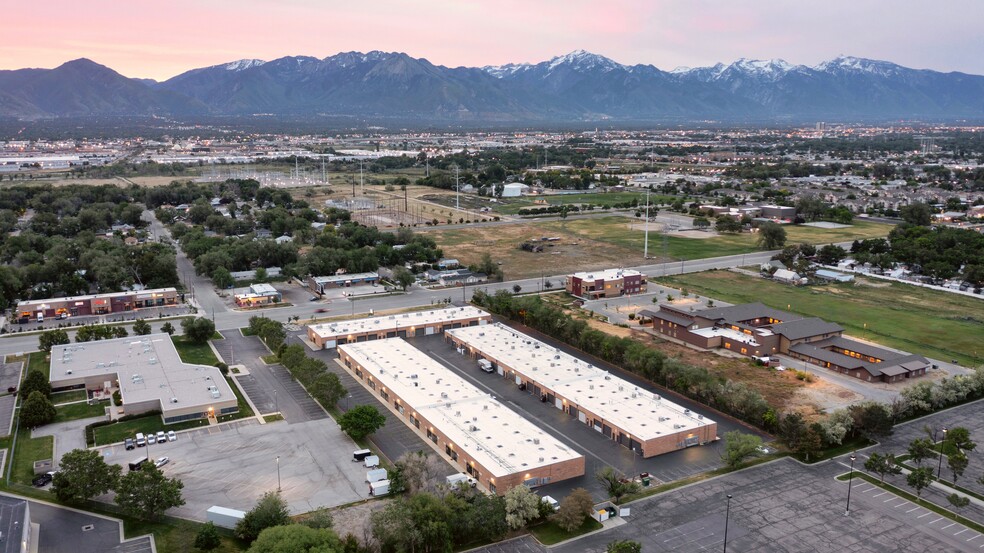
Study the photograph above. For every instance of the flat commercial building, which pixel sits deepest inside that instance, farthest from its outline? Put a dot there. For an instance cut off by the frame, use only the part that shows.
(403, 325)
(490, 442)
(149, 374)
(258, 294)
(321, 283)
(611, 283)
(97, 304)
(638, 419)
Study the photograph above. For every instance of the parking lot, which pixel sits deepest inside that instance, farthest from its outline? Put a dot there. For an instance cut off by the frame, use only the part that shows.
(233, 464)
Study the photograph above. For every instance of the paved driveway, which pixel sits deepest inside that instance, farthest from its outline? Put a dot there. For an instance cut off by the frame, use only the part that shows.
(68, 435)
(232, 465)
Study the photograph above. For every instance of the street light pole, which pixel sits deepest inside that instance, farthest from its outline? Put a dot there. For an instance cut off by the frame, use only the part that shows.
(727, 517)
(276, 402)
(278, 473)
(847, 510)
(939, 467)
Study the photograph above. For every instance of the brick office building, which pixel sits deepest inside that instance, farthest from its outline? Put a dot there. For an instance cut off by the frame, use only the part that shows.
(611, 283)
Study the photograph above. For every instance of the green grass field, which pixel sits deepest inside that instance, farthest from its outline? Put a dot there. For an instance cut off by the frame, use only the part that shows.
(28, 450)
(37, 361)
(936, 324)
(617, 230)
(511, 206)
(70, 396)
(75, 411)
(244, 409)
(199, 354)
(548, 533)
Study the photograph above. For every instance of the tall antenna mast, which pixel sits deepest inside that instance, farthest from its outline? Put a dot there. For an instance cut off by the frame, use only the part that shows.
(645, 248)
(362, 180)
(457, 189)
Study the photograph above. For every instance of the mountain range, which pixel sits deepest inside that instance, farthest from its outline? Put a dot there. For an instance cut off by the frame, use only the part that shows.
(577, 87)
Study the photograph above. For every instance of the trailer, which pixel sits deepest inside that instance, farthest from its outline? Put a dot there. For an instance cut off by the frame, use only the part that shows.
(381, 487)
(360, 455)
(221, 516)
(371, 461)
(375, 475)
(455, 479)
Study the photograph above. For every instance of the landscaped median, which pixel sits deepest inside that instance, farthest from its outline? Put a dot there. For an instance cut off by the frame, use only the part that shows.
(845, 477)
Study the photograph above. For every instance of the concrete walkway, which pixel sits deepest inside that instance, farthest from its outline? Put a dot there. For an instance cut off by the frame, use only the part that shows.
(68, 435)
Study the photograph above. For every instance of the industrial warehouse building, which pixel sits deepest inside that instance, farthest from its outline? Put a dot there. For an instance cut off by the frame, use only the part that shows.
(319, 284)
(638, 419)
(612, 283)
(149, 374)
(97, 304)
(490, 442)
(754, 329)
(403, 325)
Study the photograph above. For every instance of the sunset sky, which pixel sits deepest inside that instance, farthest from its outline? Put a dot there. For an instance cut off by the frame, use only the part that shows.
(162, 39)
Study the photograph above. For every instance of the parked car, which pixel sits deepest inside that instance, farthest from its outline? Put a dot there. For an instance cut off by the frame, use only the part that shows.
(129, 444)
(161, 437)
(141, 440)
(171, 436)
(43, 479)
(161, 461)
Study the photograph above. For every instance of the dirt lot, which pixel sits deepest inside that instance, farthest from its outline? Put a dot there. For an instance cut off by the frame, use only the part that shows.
(570, 254)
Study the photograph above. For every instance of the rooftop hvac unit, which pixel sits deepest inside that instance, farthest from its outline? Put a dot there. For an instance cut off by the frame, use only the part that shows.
(686, 411)
(700, 417)
(444, 395)
(591, 386)
(415, 384)
(536, 441)
(413, 377)
(608, 377)
(481, 334)
(656, 397)
(447, 405)
(474, 419)
(69, 371)
(457, 413)
(556, 357)
(485, 408)
(661, 419)
(473, 428)
(541, 459)
(216, 394)
(174, 400)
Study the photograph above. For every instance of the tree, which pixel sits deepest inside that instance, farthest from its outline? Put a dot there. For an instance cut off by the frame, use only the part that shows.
(917, 213)
(615, 483)
(414, 470)
(522, 506)
(516, 288)
(624, 546)
(958, 464)
(810, 443)
(327, 388)
(403, 277)
(168, 327)
(296, 538)
(958, 500)
(739, 446)
(207, 538)
(50, 338)
(548, 284)
(147, 493)
(728, 224)
(37, 411)
(871, 419)
(198, 330)
(831, 254)
(141, 327)
(771, 236)
(361, 421)
(36, 381)
(919, 479)
(83, 474)
(701, 223)
(573, 510)
(920, 449)
(960, 437)
(420, 522)
(319, 518)
(882, 464)
(269, 511)
(222, 278)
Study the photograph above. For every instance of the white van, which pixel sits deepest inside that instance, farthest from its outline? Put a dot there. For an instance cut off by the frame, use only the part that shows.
(141, 439)
(485, 365)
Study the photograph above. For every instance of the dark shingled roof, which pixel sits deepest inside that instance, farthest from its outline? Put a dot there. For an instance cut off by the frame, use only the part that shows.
(804, 328)
(897, 366)
(667, 316)
(746, 312)
(868, 350)
(839, 359)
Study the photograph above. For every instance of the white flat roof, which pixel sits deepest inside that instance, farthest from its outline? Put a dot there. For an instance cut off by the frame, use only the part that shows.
(329, 331)
(264, 289)
(639, 412)
(607, 274)
(729, 333)
(147, 367)
(498, 438)
(142, 293)
(344, 277)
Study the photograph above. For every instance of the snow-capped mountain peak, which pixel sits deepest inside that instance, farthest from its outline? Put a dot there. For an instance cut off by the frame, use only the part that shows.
(858, 65)
(584, 60)
(240, 65)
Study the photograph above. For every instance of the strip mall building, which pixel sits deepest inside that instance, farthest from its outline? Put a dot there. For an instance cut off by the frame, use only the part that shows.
(402, 325)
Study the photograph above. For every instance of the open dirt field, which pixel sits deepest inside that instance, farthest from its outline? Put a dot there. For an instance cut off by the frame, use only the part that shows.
(570, 254)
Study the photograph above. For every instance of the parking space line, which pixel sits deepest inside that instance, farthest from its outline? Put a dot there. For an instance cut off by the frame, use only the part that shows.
(912, 509)
(937, 520)
(879, 495)
(948, 525)
(960, 532)
(926, 514)
(974, 538)
(891, 499)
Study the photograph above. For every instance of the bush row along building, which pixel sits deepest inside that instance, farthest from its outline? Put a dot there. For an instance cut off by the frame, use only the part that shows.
(492, 443)
(97, 304)
(149, 374)
(611, 283)
(638, 419)
(754, 329)
(404, 325)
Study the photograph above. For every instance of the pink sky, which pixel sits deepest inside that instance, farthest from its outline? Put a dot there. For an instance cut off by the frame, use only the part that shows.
(161, 39)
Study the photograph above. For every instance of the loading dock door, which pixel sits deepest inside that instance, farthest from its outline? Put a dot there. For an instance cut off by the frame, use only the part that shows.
(401, 334)
(633, 445)
(606, 430)
(581, 417)
(573, 411)
(498, 370)
(559, 403)
(428, 331)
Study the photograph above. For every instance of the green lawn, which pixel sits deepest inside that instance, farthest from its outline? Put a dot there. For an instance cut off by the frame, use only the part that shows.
(27, 451)
(38, 361)
(198, 354)
(548, 533)
(177, 536)
(75, 411)
(117, 432)
(69, 396)
(936, 324)
(616, 230)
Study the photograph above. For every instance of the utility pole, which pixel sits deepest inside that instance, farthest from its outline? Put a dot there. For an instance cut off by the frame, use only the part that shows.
(362, 180)
(457, 189)
(645, 249)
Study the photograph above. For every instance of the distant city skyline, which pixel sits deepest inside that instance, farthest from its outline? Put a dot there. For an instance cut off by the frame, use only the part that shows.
(140, 40)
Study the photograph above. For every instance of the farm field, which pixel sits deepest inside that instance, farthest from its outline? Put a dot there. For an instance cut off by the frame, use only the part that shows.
(935, 324)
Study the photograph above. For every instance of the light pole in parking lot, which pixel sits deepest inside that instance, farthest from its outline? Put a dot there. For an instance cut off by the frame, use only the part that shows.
(847, 511)
(278, 473)
(727, 517)
(276, 402)
(939, 467)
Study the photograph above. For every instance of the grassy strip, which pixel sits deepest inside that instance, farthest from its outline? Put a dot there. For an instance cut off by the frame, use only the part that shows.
(548, 533)
(846, 447)
(38, 361)
(917, 500)
(196, 354)
(117, 432)
(28, 451)
(953, 485)
(273, 418)
(68, 397)
(270, 359)
(244, 409)
(75, 411)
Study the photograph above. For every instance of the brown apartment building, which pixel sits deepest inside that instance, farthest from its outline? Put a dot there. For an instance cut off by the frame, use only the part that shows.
(610, 283)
